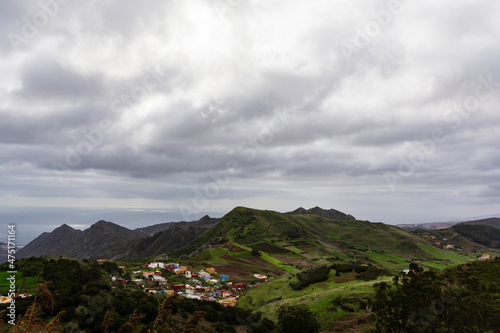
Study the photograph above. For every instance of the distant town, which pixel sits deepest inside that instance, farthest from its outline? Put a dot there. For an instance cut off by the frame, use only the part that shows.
(427, 226)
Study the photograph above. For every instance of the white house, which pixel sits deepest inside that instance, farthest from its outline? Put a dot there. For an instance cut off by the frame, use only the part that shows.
(159, 278)
(193, 296)
(188, 274)
(156, 265)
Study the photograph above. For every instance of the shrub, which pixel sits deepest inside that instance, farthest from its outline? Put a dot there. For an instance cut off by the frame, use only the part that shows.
(297, 318)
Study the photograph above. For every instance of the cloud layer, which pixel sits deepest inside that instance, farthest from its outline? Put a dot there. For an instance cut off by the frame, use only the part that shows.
(387, 110)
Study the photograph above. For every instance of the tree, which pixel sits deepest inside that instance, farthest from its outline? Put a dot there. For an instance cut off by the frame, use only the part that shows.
(255, 252)
(109, 321)
(43, 300)
(310, 276)
(454, 300)
(297, 319)
(192, 322)
(132, 326)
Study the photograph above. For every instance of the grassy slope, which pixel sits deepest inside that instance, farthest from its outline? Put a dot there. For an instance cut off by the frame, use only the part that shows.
(319, 297)
(316, 240)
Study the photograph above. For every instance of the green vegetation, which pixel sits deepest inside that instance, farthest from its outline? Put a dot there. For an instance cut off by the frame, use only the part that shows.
(482, 234)
(318, 297)
(300, 243)
(465, 298)
(370, 273)
(80, 296)
(26, 277)
(313, 239)
(313, 264)
(297, 319)
(310, 276)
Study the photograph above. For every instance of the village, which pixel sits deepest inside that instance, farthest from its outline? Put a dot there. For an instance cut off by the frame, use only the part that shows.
(172, 278)
(205, 284)
(450, 246)
(439, 244)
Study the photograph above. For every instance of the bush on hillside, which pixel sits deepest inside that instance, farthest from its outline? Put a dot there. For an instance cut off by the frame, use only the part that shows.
(297, 318)
(255, 252)
(310, 276)
(343, 268)
(372, 273)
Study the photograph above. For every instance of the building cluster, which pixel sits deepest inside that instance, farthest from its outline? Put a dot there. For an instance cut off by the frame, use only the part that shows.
(205, 284)
(438, 243)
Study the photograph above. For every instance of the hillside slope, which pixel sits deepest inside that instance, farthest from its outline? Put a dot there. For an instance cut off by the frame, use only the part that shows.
(287, 241)
(292, 241)
(492, 222)
(156, 228)
(112, 241)
(50, 243)
(482, 234)
(176, 235)
(102, 240)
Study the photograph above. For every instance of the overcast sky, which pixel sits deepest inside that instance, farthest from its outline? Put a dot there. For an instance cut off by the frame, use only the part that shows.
(165, 111)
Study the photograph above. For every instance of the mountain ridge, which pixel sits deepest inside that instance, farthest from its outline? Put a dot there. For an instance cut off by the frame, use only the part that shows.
(491, 221)
(312, 229)
(331, 214)
(50, 243)
(92, 242)
(109, 240)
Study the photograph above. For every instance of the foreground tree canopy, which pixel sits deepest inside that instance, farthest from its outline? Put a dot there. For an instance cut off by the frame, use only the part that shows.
(297, 319)
(78, 296)
(465, 298)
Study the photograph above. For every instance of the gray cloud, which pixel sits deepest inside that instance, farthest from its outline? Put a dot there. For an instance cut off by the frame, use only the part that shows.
(47, 80)
(198, 105)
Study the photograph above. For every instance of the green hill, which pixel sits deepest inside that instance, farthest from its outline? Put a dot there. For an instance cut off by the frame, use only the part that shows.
(293, 241)
(492, 222)
(289, 243)
(326, 264)
(481, 234)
